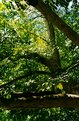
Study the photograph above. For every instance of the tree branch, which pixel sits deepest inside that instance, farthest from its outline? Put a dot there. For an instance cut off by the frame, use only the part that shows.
(52, 63)
(33, 55)
(68, 101)
(31, 94)
(56, 20)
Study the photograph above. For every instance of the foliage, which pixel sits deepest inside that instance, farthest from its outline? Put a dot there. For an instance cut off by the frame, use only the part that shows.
(23, 33)
(42, 114)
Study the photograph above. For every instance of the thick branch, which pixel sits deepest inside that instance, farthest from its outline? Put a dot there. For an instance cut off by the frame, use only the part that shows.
(55, 59)
(35, 56)
(52, 63)
(41, 59)
(31, 94)
(57, 21)
(68, 101)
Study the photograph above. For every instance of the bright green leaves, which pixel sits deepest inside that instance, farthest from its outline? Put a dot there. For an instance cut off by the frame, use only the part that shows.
(25, 49)
(21, 32)
(25, 31)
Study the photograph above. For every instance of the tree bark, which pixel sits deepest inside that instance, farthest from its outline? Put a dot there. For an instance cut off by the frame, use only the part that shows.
(67, 101)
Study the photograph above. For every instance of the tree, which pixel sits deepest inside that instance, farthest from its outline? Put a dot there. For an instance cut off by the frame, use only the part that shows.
(42, 76)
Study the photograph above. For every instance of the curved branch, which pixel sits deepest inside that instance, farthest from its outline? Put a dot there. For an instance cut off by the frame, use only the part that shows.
(56, 20)
(36, 56)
